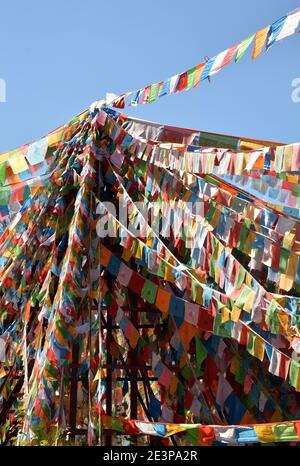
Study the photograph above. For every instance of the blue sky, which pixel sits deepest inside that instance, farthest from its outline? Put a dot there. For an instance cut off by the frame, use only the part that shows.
(58, 57)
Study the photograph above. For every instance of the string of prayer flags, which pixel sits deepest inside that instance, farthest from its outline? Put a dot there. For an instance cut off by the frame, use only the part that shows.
(200, 435)
(263, 39)
(279, 363)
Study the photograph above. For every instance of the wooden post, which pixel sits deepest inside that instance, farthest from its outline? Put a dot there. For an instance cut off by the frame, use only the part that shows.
(109, 371)
(132, 355)
(73, 390)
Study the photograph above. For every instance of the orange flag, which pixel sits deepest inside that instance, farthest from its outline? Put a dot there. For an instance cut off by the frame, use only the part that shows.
(260, 39)
(27, 311)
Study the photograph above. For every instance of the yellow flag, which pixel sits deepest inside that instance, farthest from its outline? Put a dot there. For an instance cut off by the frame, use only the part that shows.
(259, 348)
(264, 433)
(55, 137)
(17, 162)
(226, 314)
(235, 364)
(198, 73)
(139, 250)
(236, 312)
(169, 276)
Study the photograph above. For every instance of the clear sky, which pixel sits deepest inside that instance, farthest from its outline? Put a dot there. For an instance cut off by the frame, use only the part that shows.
(57, 57)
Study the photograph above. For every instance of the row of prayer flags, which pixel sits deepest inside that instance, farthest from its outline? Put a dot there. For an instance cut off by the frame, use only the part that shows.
(263, 39)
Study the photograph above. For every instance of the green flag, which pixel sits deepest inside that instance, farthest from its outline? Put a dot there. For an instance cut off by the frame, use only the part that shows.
(243, 47)
(153, 93)
(149, 292)
(5, 195)
(2, 173)
(201, 351)
(191, 75)
(294, 373)
(285, 432)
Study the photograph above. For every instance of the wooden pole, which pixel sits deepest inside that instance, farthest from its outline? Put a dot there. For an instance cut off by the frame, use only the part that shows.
(73, 390)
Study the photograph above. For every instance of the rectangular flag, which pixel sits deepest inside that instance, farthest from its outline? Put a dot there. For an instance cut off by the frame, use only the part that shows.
(290, 25)
(279, 364)
(243, 47)
(260, 39)
(274, 31)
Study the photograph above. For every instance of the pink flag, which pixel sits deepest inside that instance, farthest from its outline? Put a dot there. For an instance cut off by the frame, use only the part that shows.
(224, 390)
